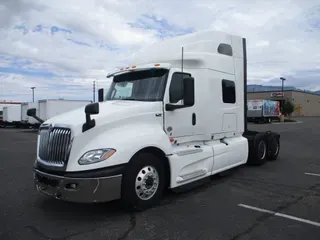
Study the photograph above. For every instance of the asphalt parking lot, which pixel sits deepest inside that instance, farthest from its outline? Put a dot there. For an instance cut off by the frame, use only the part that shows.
(279, 200)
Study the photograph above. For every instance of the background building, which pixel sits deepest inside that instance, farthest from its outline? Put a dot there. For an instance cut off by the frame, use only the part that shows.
(307, 103)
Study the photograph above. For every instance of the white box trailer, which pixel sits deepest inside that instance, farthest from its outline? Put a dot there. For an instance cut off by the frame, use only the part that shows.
(262, 111)
(12, 115)
(25, 119)
(6, 104)
(50, 108)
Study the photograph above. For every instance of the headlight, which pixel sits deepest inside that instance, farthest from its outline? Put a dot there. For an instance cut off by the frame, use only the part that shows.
(96, 155)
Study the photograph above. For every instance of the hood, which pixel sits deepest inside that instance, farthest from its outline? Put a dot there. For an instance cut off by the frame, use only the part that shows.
(109, 111)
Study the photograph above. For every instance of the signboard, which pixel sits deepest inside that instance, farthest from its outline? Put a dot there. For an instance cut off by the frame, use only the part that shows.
(276, 94)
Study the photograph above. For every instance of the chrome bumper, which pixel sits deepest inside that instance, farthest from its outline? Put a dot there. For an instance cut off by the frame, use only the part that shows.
(78, 189)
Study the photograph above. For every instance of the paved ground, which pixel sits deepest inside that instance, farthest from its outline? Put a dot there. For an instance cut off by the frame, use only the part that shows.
(208, 212)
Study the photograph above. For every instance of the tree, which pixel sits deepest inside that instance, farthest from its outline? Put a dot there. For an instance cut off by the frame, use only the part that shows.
(288, 108)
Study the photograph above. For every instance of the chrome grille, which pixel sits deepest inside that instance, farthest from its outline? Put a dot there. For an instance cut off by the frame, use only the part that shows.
(54, 146)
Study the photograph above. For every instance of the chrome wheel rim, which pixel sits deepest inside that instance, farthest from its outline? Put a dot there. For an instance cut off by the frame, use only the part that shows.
(262, 149)
(147, 182)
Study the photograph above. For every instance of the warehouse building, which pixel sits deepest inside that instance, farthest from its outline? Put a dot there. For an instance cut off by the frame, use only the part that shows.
(306, 103)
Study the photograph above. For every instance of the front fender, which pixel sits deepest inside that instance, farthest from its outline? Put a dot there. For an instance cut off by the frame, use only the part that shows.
(127, 141)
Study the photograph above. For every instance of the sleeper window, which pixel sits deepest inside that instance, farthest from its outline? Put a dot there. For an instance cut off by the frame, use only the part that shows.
(228, 91)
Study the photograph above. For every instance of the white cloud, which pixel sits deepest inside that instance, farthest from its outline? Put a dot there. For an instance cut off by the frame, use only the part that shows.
(12, 85)
(98, 36)
(262, 43)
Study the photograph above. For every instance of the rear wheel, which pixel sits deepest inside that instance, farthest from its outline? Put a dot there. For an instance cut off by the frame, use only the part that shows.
(143, 182)
(273, 147)
(258, 150)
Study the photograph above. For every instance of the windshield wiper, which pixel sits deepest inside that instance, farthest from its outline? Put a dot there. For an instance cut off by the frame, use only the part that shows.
(129, 99)
(141, 100)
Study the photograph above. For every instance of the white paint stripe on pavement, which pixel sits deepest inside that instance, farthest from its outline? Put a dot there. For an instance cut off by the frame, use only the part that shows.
(312, 174)
(280, 214)
(286, 122)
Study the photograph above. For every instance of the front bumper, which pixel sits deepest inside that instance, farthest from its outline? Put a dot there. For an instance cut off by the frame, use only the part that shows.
(83, 187)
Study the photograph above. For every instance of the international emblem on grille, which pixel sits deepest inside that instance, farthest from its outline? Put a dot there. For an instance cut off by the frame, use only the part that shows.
(50, 128)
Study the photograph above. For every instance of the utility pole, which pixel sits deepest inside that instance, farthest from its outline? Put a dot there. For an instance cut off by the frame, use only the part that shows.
(33, 93)
(282, 79)
(94, 91)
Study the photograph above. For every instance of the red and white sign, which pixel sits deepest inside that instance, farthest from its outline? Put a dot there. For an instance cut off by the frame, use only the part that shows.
(276, 94)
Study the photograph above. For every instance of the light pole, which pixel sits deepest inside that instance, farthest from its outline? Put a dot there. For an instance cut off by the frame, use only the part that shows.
(94, 91)
(282, 79)
(33, 93)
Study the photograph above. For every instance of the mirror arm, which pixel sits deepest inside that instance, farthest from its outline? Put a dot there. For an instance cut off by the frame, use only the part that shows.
(88, 117)
(172, 107)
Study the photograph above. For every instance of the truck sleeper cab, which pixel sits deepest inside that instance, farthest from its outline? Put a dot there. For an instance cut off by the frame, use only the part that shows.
(167, 121)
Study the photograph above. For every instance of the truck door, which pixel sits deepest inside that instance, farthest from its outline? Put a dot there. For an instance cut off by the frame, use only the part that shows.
(180, 122)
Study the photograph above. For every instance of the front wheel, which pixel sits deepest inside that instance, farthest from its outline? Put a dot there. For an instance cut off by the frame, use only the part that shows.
(143, 182)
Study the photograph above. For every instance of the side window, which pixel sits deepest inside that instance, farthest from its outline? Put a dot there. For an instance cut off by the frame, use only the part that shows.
(176, 87)
(228, 91)
(225, 49)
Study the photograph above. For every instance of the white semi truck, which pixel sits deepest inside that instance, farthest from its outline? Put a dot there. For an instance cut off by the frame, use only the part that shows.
(175, 116)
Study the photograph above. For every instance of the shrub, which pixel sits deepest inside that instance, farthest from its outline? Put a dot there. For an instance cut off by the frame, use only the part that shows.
(288, 108)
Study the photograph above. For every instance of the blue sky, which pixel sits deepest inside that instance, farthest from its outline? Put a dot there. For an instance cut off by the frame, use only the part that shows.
(61, 47)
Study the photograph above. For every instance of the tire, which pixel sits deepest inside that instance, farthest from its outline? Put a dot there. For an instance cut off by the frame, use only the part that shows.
(273, 147)
(258, 150)
(140, 167)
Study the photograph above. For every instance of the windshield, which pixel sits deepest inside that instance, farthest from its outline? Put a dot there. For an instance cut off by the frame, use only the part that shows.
(146, 85)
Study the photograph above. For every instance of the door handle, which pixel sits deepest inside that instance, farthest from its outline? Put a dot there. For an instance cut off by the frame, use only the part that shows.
(194, 119)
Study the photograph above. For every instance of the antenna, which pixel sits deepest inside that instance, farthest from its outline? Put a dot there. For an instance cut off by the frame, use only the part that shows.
(182, 60)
